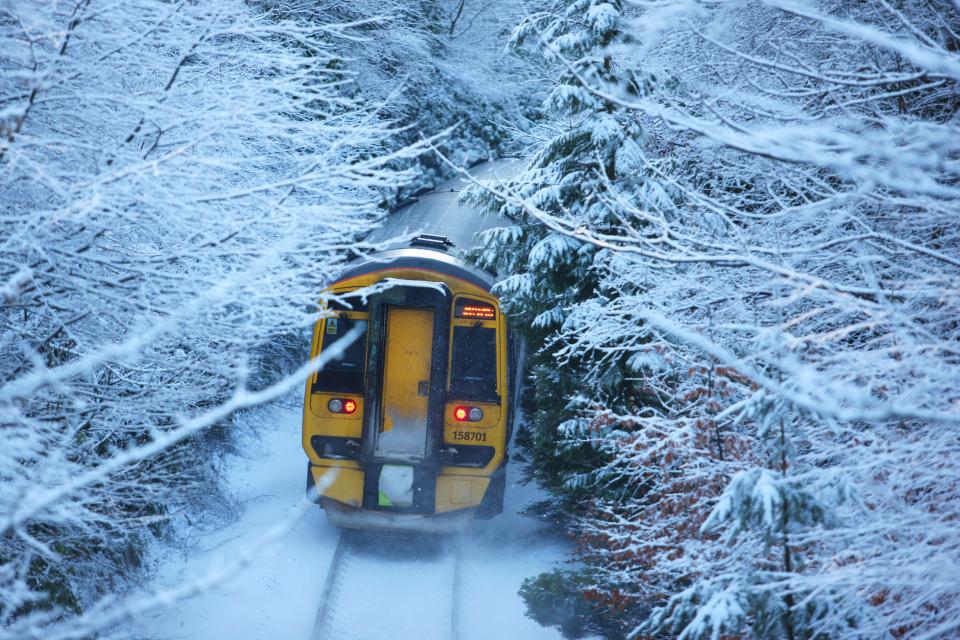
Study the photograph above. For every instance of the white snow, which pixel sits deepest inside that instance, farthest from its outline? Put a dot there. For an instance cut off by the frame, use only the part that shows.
(279, 592)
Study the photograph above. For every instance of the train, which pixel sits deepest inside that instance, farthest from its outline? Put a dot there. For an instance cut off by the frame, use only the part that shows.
(407, 428)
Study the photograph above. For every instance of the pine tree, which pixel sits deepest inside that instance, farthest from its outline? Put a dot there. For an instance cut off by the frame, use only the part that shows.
(761, 530)
(591, 150)
(748, 379)
(591, 147)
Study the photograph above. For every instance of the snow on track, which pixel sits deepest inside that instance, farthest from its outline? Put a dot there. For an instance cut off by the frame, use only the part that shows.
(278, 595)
(385, 586)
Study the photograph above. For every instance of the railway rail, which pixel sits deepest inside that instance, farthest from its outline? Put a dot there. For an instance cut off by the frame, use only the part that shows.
(403, 586)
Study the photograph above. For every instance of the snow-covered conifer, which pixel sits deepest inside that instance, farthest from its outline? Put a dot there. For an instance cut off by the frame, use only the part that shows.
(784, 303)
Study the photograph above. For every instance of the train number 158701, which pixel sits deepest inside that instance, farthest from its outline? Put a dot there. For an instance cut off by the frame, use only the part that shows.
(470, 436)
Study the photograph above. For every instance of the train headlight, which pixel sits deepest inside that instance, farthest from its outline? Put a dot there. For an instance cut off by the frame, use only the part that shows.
(476, 414)
(461, 414)
(349, 406)
(335, 405)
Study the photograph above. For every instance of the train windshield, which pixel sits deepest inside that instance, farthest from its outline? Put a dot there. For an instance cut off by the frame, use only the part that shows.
(473, 372)
(345, 373)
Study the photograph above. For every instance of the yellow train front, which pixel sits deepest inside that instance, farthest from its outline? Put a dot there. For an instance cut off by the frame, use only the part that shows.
(407, 428)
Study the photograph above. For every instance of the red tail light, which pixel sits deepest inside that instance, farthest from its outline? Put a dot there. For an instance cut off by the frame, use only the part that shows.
(342, 405)
(468, 414)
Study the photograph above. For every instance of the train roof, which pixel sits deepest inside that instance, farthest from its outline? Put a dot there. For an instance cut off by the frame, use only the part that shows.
(434, 230)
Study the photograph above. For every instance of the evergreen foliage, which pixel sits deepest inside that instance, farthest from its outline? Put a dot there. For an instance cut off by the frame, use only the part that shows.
(590, 144)
(743, 313)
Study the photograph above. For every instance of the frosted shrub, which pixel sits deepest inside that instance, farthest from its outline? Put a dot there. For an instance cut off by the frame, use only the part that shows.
(177, 182)
(775, 292)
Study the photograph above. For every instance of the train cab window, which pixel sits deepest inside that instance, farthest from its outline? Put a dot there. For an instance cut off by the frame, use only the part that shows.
(343, 374)
(473, 366)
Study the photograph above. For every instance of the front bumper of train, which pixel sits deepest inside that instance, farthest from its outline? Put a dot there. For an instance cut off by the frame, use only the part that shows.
(348, 517)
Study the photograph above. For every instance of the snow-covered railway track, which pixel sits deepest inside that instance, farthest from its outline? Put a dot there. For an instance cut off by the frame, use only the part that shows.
(384, 586)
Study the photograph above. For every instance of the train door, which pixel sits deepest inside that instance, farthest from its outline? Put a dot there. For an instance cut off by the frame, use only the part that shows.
(408, 351)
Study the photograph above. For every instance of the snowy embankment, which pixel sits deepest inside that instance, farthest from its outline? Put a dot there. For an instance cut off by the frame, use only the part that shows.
(278, 592)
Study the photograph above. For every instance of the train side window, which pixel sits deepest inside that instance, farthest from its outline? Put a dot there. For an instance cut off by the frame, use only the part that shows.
(343, 374)
(473, 370)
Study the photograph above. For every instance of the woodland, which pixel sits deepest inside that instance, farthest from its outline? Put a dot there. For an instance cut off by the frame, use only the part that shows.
(733, 255)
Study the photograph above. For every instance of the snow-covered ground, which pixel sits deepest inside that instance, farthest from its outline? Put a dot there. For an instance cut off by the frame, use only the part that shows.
(278, 592)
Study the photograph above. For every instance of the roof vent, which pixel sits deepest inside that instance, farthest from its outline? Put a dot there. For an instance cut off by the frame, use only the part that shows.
(433, 241)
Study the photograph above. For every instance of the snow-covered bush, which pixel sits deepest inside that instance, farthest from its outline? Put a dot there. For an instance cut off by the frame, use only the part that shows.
(434, 66)
(780, 457)
(178, 180)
